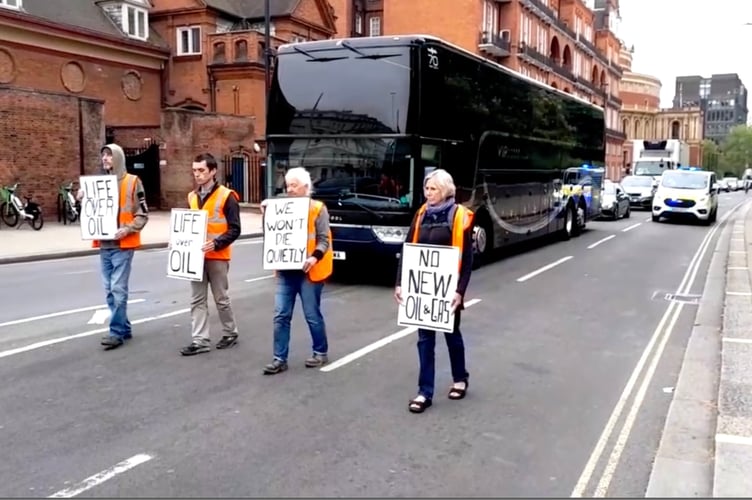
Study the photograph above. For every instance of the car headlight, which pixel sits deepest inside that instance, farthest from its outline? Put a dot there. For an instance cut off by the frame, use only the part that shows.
(391, 234)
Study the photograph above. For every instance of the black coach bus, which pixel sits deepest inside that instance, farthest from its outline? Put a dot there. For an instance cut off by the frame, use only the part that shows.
(369, 117)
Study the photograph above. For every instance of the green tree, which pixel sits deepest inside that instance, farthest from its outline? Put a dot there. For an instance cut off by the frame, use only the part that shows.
(710, 153)
(737, 149)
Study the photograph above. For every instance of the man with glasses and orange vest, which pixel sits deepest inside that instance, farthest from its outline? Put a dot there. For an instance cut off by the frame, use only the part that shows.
(223, 229)
(116, 255)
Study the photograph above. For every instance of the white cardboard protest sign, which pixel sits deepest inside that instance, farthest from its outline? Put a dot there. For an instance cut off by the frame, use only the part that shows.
(99, 207)
(185, 259)
(285, 233)
(429, 282)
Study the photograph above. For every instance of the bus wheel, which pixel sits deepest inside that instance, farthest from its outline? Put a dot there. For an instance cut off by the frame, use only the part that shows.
(569, 223)
(482, 242)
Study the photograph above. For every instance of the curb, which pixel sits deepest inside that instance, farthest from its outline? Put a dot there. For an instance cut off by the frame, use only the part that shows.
(733, 453)
(92, 251)
(684, 464)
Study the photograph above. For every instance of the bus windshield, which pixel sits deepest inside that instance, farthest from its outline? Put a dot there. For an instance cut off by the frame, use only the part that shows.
(340, 90)
(367, 173)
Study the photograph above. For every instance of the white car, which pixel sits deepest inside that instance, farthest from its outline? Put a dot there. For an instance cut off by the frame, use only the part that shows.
(686, 194)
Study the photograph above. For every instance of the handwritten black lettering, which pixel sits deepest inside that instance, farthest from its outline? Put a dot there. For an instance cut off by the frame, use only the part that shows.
(180, 262)
(187, 222)
(285, 224)
(283, 239)
(424, 282)
(98, 205)
(283, 208)
(422, 309)
(429, 258)
(285, 256)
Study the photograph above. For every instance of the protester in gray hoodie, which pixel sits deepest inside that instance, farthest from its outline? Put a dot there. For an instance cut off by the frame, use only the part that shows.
(116, 255)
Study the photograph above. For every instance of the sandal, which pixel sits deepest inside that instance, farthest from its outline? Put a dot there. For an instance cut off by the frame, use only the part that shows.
(419, 406)
(458, 393)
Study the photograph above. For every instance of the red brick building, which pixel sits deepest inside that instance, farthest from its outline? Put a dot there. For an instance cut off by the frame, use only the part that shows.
(559, 42)
(216, 64)
(67, 75)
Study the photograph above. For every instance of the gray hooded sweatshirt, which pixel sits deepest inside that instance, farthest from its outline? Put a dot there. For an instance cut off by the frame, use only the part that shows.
(140, 208)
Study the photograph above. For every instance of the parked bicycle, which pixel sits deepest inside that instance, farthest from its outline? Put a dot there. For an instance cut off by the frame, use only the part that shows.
(14, 210)
(68, 208)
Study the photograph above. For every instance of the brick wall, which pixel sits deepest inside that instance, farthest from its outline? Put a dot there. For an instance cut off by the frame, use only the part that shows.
(189, 133)
(79, 75)
(133, 137)
(40, 141)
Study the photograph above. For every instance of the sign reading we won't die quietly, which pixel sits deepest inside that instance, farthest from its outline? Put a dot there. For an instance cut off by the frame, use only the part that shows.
(185, 258)
(429, 282)
(99, 207)
(286, 233)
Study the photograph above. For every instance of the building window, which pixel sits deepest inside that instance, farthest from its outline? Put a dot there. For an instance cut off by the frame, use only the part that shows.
(11, 4)
(135, 22)
(358, 24)
(189, 41)
(375, 26)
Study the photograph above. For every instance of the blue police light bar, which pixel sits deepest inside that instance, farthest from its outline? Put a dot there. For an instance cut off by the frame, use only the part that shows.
(690, 168)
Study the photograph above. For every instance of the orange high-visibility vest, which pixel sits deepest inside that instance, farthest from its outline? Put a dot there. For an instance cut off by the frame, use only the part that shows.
(217, 222)
(463, 219)
(322, 269)
(126, 213)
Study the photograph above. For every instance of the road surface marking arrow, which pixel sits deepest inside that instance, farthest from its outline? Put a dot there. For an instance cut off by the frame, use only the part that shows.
(99, 317)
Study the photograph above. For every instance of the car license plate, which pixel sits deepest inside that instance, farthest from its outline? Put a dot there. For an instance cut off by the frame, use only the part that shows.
(339, 255)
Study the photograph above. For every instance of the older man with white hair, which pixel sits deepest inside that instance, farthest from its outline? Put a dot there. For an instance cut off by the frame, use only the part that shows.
(308, 282)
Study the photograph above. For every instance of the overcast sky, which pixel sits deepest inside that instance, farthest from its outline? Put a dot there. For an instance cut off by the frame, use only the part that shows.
(682, 37)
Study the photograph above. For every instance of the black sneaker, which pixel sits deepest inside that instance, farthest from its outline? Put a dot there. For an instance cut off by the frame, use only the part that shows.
(275, 367)
(227, 341)
(194, 349)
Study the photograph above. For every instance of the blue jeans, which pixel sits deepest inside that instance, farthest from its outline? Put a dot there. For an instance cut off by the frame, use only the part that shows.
(289, 285)
(426, 348)
(116, 271)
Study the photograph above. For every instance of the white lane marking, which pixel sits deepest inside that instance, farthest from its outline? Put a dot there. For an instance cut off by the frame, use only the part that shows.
(737, 239)
(738, 251)
(99, 317)
(543, 269)
(735, 340)
(61, 313)
(45, 343)
(743, 294)
(601, 241)
(78, 272)
(738, 268)
(648, 219)
(732, 439)
(600, 446)
(103, 476)
(251, 280)
(631, 227)
(379, 344)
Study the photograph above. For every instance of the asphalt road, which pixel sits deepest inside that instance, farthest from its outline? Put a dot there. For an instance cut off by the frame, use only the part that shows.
(549, 358)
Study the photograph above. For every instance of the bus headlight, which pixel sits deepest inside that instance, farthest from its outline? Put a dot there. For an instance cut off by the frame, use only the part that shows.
(390, 234)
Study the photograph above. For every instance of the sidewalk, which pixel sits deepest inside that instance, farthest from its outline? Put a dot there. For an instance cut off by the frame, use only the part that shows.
(55, 240)
(706, 447)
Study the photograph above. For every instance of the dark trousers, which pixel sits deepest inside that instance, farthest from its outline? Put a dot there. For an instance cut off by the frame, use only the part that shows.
(426, 348)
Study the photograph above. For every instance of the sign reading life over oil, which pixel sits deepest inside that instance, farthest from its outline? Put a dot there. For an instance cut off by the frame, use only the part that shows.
(99, 207)
(429, 282)
(286, 233)
(185, 258)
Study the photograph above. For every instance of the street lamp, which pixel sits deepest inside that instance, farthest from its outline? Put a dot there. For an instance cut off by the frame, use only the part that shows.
(267, 50)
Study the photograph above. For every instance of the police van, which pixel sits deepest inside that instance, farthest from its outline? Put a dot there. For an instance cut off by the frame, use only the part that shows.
(688, 193)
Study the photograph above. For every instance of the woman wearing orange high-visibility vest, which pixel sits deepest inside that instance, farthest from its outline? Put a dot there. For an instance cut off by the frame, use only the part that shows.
(308, 283)
(442, 221)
